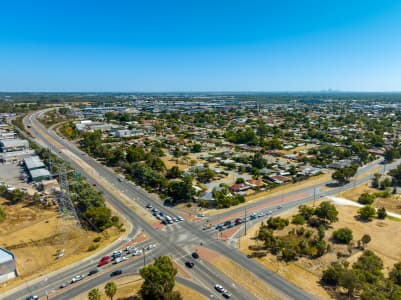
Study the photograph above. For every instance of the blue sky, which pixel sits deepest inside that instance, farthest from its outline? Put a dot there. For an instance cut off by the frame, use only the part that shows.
(196, 45)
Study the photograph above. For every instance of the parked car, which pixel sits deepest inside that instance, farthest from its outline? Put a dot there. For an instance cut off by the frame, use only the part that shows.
(116, 272)
(189, 264)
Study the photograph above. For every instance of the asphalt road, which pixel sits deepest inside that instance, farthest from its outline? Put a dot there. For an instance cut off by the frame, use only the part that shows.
(179, 242)
(206, 277)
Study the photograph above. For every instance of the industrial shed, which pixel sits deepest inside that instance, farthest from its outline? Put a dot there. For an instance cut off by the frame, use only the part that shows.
(8, 268)
(13, 145)
(33, 163)
(38, 175)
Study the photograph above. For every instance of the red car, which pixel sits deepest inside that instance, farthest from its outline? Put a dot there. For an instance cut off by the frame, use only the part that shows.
(103, 262)
(105, 258)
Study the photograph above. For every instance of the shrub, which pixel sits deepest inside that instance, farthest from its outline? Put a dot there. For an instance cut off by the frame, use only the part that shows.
(366, 198)
(2, 214)
(381, 213)
(367, 213)
(298, 219)
(277, 223)
(343, 235)
(97, 239)
(93, 247)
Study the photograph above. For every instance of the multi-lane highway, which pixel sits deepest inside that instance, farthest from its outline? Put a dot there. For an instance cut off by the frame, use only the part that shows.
(178, 244)
(129, 200)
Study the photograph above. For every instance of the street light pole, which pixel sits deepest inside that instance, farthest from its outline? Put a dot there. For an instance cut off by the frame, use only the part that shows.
(144, 256)
(245, 220)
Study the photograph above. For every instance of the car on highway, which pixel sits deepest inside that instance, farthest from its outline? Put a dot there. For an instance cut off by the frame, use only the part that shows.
(34, 297)
(195, 255)
(149, 206)
(227, 223)
(154, 209)
(119, 259)
(116, 272)
(226, 295)
(94, 184)
(120, 179)
(238, 221)
(137, 252)
(180, 218)
(150, 247)
(189, 264)
(279, 207)
(106, 257)
(77, 278)
(63, 285)
(94, 271)
(219, 288)
(103, 262)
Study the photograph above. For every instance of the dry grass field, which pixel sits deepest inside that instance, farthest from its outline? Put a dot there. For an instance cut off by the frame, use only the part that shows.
(306, 273)
(128, 287)
(35, 235)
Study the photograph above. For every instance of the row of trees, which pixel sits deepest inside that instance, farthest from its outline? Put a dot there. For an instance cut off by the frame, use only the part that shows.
(110, 290)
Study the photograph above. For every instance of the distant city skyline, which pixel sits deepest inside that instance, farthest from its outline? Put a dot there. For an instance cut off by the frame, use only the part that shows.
(207, 46)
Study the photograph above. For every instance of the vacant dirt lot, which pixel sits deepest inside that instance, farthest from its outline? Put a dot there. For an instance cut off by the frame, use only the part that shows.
(306, 273)
(128, 286)
(35, 235)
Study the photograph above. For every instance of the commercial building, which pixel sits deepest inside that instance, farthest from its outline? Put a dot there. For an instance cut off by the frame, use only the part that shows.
(15, 156)
(11, 145)
(8, 268)
(38, 175)
(33, 163)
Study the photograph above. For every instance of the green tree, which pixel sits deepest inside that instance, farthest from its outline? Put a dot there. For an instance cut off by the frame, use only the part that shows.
(366, 198)
(369, 267)
(110, 289)
(258, 161)
(2, 214)
(395, 273)
(343, 235)
(196, 148)
(94, 294)
(327, 212)
(381, 213)
(158, 279)
(174, 172)
(365, 239)
(181, 190)
(367, 213)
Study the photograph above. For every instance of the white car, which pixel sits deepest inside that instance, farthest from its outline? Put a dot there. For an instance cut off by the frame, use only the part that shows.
(137, 252)
(180, 218)
(119, 259)
(77, 278)
(150, 247)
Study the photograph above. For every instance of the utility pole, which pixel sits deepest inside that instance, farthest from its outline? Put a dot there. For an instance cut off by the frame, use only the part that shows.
(144, 256)
(245, 220)
(314, 196)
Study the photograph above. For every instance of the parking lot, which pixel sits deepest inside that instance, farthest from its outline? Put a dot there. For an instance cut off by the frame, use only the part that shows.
(12, 175)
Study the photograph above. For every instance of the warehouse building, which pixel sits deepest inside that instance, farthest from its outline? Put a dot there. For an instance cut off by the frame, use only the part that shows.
(33, 163)
(15, 156)
(8, 268)
(11, 145)
(38, 175)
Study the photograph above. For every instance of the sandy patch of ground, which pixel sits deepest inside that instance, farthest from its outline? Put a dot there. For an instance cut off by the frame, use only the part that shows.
(35, 235)
(306, 273)
(169, 162)
(391, 204)
(129, 286)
